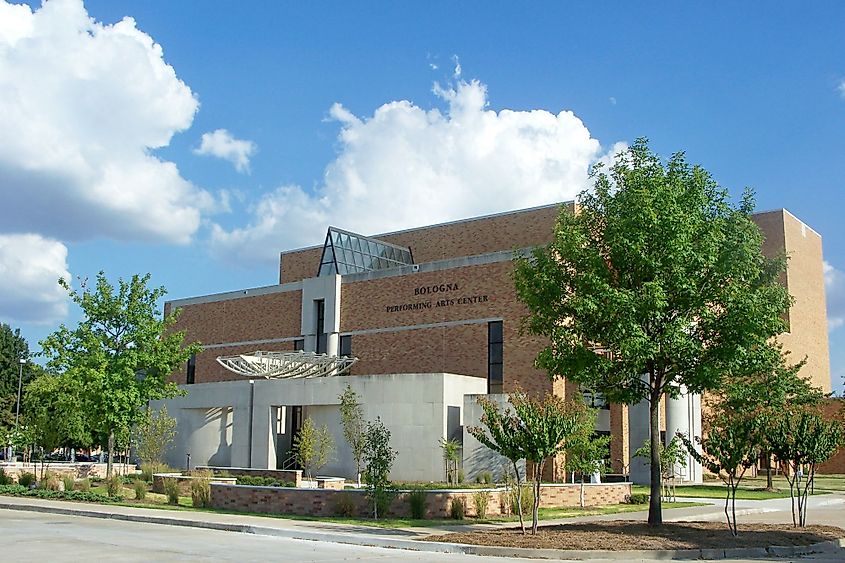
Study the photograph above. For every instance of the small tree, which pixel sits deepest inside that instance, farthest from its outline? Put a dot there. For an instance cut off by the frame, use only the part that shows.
(451, 457)
(729, 449)
(671, 455)
(314, 447)
(505, 438)
(802, 441)
(548, 424)
(584, 450)
(354, 427)
(379, 458)
(154, 435)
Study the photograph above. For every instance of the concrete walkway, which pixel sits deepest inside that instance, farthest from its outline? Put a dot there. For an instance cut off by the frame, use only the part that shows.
(823, 509)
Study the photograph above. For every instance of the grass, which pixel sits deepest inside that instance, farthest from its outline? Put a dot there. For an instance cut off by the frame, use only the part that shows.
(755, 492)
(823, 483)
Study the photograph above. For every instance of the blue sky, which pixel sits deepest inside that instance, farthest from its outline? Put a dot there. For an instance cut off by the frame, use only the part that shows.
(381, 116)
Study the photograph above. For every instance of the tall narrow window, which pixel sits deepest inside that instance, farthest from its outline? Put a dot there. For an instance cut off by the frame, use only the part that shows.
(322, 339)
(346, 345)
(495, 356)
(192, 369)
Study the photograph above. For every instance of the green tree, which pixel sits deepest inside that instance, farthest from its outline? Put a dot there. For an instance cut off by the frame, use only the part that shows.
(585, 451)
(801, 441)
(379, 458)
(451, 458)
(154, 434)
(729, 449)
(501, 431)
(656, 282)
(53, 413)
(13, 348)
(547, 425)
(670, 456)
(766, 396)
(313, 446)
(354, 427)
(122, 352)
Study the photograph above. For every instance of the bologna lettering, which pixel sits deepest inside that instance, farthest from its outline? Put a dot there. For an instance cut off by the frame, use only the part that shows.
(435, 303)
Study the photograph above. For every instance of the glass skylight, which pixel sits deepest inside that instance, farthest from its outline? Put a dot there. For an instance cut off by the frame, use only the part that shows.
(348, 253)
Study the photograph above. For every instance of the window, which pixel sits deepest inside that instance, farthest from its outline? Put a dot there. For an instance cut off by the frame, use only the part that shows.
(495, 357)
(594, 399)
(192, 369)
(346, 345)
(299, 344)
(322, 339)
(348, 253)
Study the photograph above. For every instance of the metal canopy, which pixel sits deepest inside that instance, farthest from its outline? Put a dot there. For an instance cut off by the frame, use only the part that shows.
(286, 365)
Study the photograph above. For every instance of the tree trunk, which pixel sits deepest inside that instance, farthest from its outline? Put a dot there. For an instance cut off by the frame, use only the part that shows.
(769, 482)
(655, 511)
(111, 453)
(519, 497)
(535, 512)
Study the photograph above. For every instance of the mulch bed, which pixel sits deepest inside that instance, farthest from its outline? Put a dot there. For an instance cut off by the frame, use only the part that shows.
(620, 535)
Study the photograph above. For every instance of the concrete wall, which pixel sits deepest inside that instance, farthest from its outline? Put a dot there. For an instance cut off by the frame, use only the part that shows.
(418, 409)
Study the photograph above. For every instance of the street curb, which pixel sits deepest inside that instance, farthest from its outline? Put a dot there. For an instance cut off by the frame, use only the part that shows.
(830, 546)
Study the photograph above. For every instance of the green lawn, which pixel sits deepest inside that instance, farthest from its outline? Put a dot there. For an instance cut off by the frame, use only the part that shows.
(750, 492)
(821, 482)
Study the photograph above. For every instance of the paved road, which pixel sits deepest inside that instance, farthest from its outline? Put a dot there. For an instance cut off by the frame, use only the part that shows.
(51, 537)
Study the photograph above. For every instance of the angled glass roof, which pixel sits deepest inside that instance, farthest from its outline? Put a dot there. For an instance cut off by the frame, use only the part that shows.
(348, 253)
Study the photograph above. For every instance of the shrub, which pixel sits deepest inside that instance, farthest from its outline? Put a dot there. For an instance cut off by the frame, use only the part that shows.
(344, 505)
(484, 478)
(84, 485)
(147, 470)
(18, 490)
(5, 479)
(26, 479)
(113, 485)
(140, 487)
(171, 489)
(527, 499)
(51, 481)
(482, 501)
(457, 509)
(257, 481)
(201, 492)
(418, 500)
(637, 498)
(460, 476)
(69, 483)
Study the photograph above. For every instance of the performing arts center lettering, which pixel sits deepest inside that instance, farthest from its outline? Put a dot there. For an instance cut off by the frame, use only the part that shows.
(436, 302)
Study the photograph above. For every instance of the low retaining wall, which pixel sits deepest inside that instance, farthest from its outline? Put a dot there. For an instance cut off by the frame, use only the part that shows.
(325, 502)
(184, 481)
(76, 470)
(283, 475)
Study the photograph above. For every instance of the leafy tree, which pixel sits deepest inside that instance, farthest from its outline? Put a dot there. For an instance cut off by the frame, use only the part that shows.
(122, 352)
(354, 427)
(766, 396)
(502, 433)
(802, 440)
(670, 456)
(379, 458)
(656, 282)
(154, 434)
(585, 450)
(729, 449)
(13, 347)
(547, 425)
(313, 446)
(53, 413)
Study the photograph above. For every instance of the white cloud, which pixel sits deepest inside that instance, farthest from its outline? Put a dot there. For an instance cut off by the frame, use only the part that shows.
(82, 105)
(406, 166)
(30, 267)
(221, 144)
(834, 286)
(841, 88)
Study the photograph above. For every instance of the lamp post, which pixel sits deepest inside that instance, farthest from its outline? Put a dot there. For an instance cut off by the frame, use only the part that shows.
(22, 361)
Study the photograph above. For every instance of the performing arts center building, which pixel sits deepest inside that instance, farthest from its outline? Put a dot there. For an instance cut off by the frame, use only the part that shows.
(419, 323)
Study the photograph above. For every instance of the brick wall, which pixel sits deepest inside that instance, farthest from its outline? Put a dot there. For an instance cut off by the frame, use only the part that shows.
(323, 502)
(75, 470)
(834, 409)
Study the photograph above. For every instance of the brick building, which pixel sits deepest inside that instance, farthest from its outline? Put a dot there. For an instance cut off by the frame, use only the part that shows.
(437, 302)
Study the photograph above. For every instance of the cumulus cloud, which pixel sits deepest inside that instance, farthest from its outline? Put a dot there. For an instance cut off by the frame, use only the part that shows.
(406, 166)
(834, 286)
(30, 267)
(221, 144)
(82, 105)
